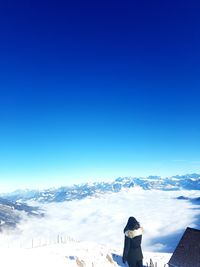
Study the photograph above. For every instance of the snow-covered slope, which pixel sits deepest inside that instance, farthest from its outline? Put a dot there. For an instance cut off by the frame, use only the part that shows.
(72, 254)
(11, 212)
(80, 191)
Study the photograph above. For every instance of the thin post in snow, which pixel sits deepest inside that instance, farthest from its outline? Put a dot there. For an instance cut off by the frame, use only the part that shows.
(58, 238)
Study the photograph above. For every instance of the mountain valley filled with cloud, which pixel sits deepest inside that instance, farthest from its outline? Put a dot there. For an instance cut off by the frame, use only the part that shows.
(97, 220)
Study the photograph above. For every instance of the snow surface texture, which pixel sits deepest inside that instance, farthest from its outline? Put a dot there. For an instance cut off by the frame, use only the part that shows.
(98, 223)
(72, 254)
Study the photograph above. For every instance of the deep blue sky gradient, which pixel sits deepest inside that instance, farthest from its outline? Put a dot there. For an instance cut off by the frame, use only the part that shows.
(96, 90)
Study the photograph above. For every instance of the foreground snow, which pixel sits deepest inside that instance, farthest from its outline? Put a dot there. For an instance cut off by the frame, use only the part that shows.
(82, 254)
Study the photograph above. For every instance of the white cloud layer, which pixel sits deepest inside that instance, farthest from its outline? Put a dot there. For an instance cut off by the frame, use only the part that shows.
(101, 220)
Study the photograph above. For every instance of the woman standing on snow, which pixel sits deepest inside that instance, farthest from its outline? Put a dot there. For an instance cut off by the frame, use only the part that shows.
(132, 244)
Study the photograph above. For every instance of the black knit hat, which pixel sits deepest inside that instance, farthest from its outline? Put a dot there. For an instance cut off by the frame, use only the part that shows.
(132, 224)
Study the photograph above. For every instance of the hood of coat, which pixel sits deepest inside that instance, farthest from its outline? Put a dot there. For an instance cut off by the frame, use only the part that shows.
(134, 233)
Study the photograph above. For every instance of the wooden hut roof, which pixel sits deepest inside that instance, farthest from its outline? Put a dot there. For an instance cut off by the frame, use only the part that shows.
(187, 252)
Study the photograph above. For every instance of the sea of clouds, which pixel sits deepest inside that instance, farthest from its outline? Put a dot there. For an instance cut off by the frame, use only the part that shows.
(102, 220)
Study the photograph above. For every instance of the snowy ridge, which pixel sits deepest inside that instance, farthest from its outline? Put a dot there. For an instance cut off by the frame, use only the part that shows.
(73, 254)
(81, 191)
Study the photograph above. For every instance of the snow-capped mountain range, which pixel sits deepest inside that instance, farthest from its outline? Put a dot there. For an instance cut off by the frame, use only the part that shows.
(81, 191)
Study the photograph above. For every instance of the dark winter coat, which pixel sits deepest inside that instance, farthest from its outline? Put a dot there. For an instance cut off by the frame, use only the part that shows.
(132, 247)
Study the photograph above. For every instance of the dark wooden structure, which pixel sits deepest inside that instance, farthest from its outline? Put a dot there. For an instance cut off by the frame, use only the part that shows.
(187, 252)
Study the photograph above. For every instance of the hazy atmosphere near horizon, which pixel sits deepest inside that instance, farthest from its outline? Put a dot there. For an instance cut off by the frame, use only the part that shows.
(94, 90)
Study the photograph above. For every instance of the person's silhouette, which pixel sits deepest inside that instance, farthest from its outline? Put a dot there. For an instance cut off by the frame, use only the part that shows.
(132, 243)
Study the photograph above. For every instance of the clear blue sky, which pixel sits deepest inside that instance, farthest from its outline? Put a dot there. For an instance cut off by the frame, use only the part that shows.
(97, 90)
